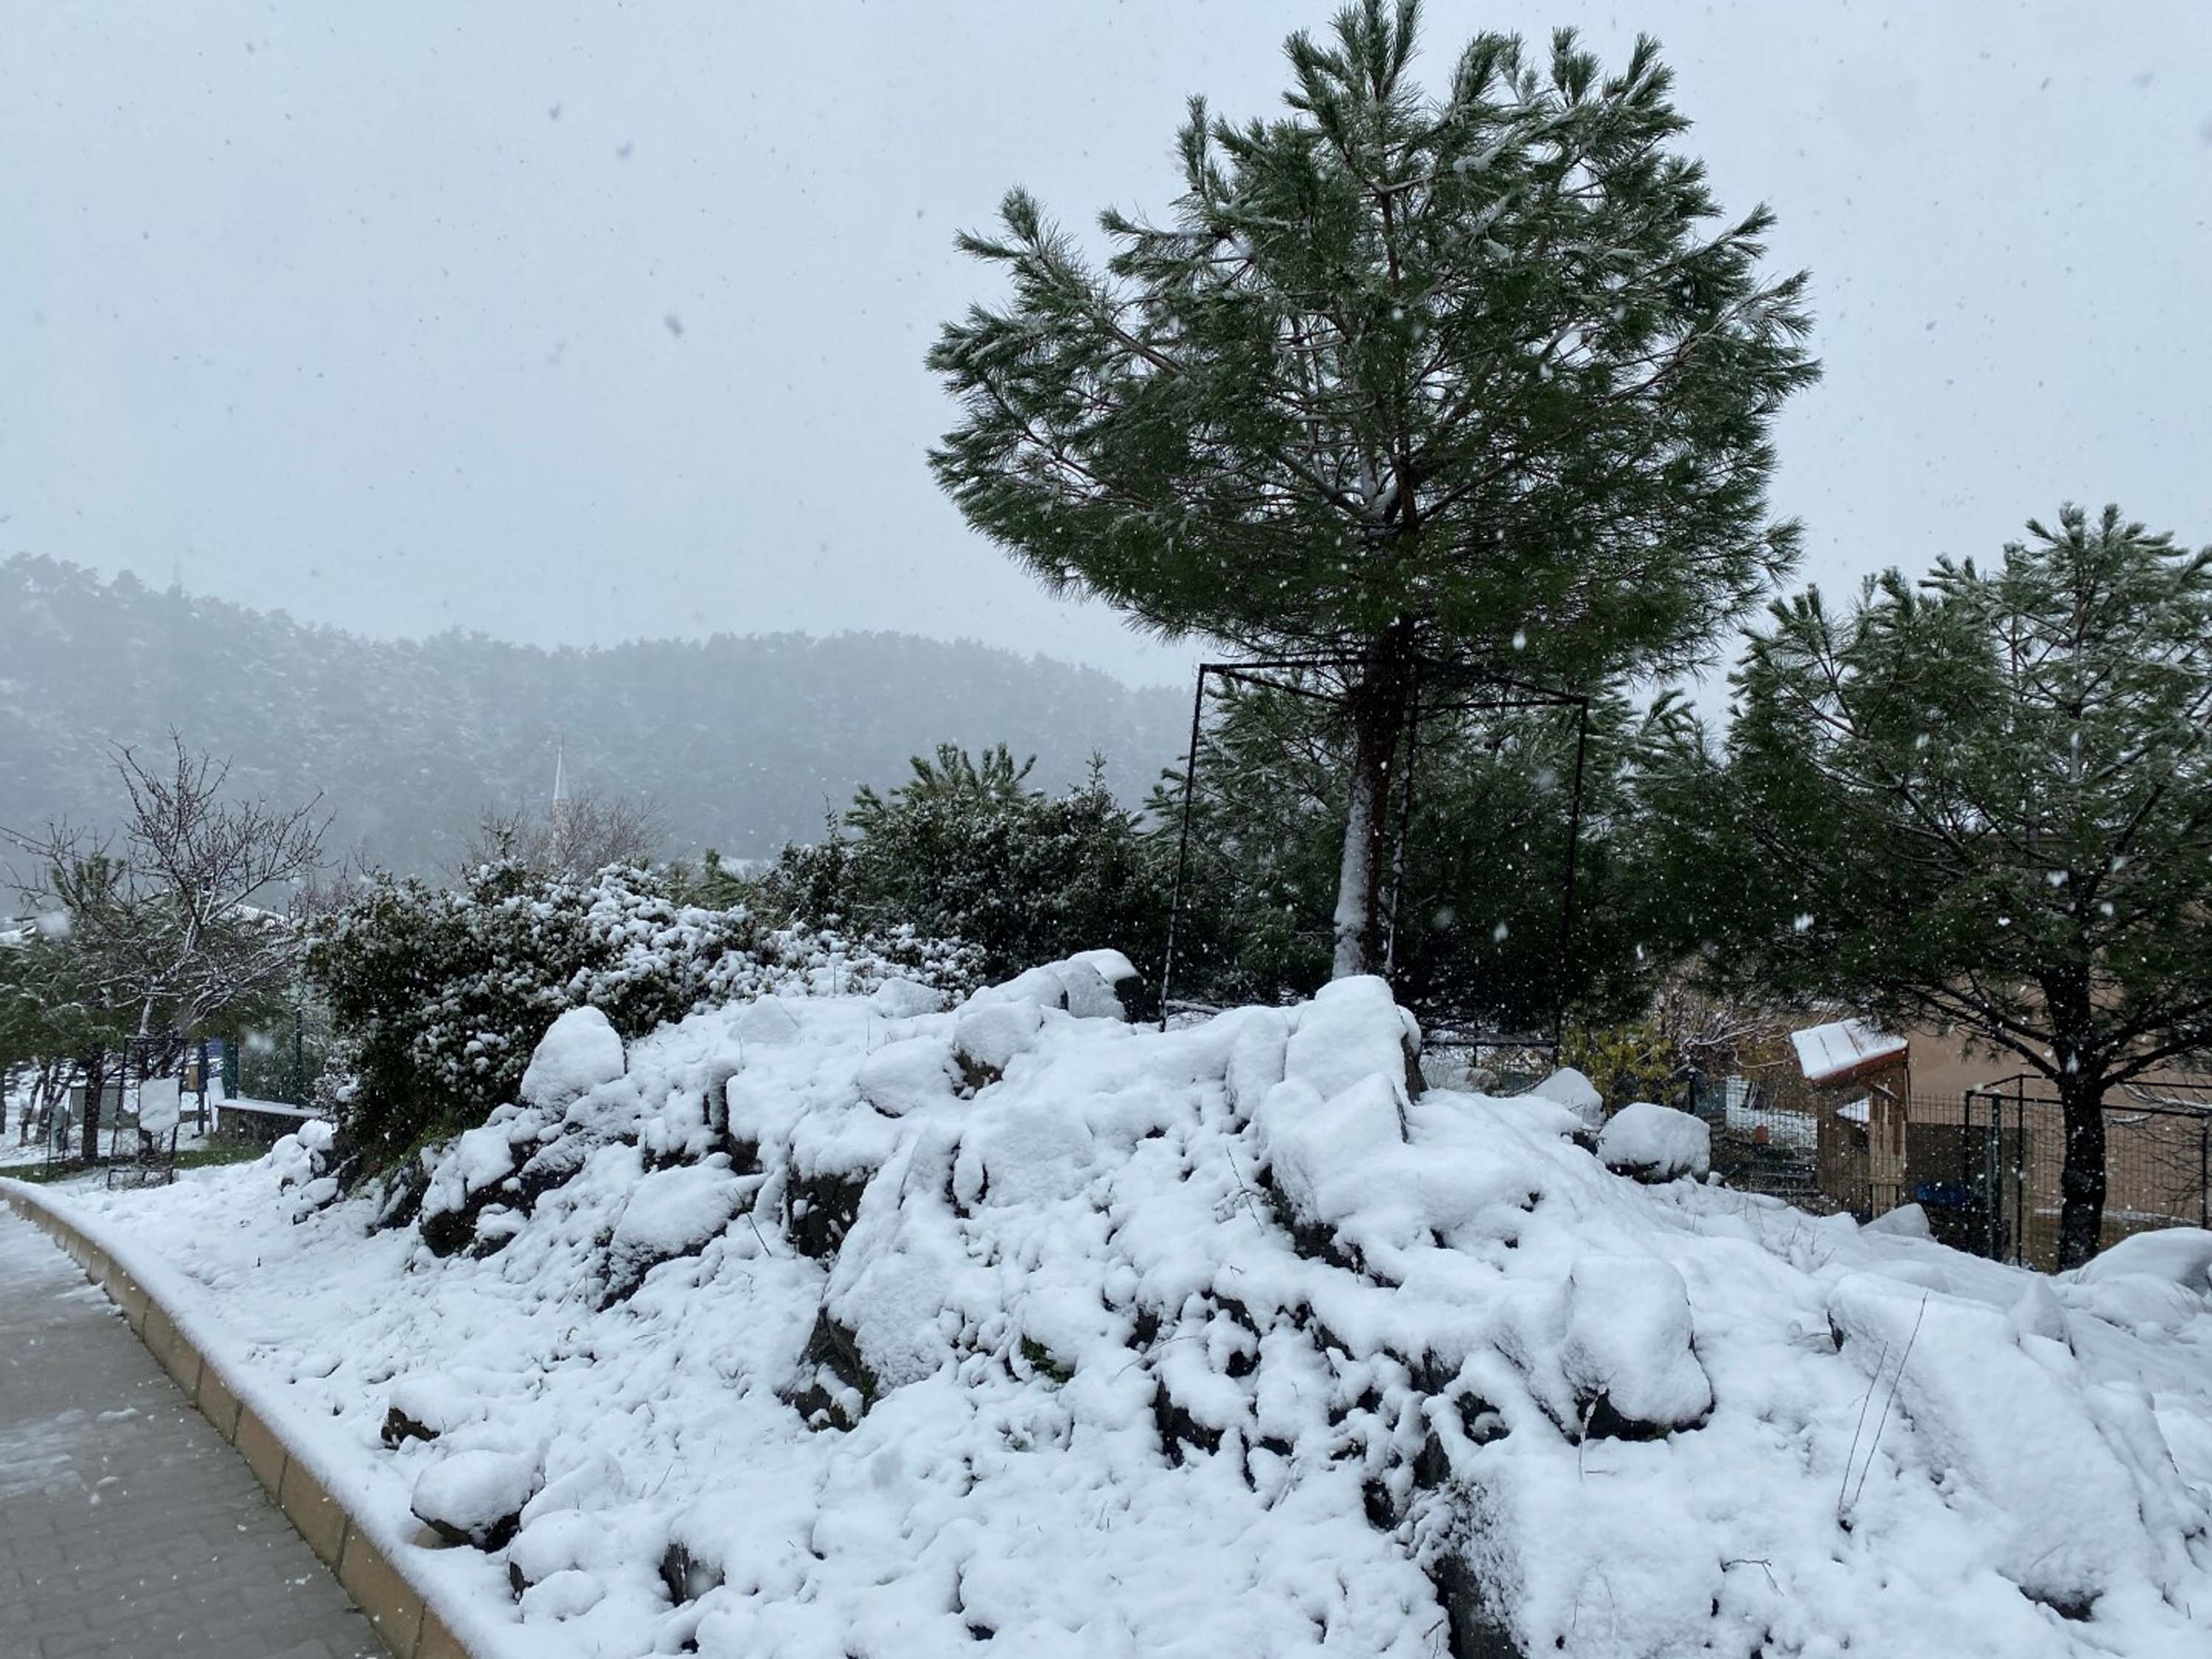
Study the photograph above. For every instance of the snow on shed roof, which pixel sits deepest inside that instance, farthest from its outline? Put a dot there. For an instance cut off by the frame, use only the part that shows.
(1829, 1053)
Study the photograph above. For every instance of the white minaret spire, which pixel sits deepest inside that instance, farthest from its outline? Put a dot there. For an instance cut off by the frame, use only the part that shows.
(560, 759)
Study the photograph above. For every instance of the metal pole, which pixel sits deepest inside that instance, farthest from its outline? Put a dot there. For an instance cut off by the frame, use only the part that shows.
(1567, 905)
(122, 1087)
(1997, 1175)
(2204, 1173)
(1182, 849)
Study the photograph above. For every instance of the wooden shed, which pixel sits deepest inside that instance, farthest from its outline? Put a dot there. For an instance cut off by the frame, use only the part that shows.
(1858, 1085)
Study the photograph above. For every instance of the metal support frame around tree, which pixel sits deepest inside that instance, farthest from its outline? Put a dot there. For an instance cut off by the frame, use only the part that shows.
(153, 1160)
(1468, 689)
(152, 1055)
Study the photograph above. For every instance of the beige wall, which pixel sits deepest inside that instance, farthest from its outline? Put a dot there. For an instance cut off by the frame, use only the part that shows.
(1949, 1065)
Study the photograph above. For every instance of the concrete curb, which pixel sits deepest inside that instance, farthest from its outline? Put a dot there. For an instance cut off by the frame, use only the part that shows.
(379, 1587)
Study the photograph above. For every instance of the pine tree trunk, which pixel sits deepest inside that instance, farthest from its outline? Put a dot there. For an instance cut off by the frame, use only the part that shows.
(1380, 706)
(2081, 1178)
(2068, 995)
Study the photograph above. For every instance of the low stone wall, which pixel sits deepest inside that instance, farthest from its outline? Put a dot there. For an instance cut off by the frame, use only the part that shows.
(395, 1604)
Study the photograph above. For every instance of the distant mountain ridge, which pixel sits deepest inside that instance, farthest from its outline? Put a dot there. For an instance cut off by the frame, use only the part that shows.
(743, 741)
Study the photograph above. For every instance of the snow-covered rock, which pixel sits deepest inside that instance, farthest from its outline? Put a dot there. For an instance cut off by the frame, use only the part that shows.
(425, 1405)
(907, 1074)
(1092, 983)
(2007, 1419)
(669, 1214)
(905, 998)
(580, 1051)
(2179, 1255)
(990, 1032)
(1352, 1029)
(1086, 985)
(1570, 1089)
(768, 1020)
(1626, 1351)
(558, 1541)
(1652, 1142)
(476, 1497)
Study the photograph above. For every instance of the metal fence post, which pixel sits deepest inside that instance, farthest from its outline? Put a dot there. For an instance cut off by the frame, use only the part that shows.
(1182, 844)
(1994, 1175)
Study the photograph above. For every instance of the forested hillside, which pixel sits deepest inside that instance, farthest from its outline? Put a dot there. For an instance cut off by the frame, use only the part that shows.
(741, 740)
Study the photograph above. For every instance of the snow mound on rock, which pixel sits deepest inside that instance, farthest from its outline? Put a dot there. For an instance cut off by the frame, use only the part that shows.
(2179, 1255)
(1575, 1091)
(1654, 1143)
(1227, 1339)
(578, 1053)
(425, 1405)
(1626, 1348)
(476, 1497)
(672, 1212)
(1905, 1221)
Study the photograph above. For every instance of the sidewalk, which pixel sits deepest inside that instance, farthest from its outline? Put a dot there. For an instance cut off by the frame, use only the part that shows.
(127, 1528)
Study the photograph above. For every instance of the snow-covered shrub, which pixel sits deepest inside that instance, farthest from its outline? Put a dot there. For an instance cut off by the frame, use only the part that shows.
(580, 1051)
(440, 996)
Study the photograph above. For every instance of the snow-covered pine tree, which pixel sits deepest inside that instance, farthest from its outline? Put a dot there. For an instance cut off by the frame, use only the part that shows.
(1986, 803)
(1401, 376)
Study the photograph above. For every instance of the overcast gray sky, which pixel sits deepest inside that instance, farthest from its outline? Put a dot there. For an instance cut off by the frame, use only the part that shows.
(578, 323)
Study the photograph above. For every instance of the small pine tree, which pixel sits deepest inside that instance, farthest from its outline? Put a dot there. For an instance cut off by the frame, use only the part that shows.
(1986, 802)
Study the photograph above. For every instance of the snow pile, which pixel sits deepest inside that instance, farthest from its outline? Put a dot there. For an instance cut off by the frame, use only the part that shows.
(1654, 1143)
(302, 1163)
(1575, 1091)
(577, 1054)
(476, 1497)
(843, 1325)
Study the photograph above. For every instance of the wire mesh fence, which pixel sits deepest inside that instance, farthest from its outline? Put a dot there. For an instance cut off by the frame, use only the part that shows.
(2158, 1164)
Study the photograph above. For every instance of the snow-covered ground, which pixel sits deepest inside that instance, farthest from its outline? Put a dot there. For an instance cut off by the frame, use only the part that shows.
(16, 1152)
(845, 1326)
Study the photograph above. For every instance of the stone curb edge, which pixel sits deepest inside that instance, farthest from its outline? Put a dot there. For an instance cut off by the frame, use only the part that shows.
(404, 1616)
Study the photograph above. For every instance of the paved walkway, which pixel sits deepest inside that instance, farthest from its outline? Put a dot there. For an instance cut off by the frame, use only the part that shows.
(127, 1527)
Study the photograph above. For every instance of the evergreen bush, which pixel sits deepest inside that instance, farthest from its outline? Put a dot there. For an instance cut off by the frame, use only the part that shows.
(967, 850)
